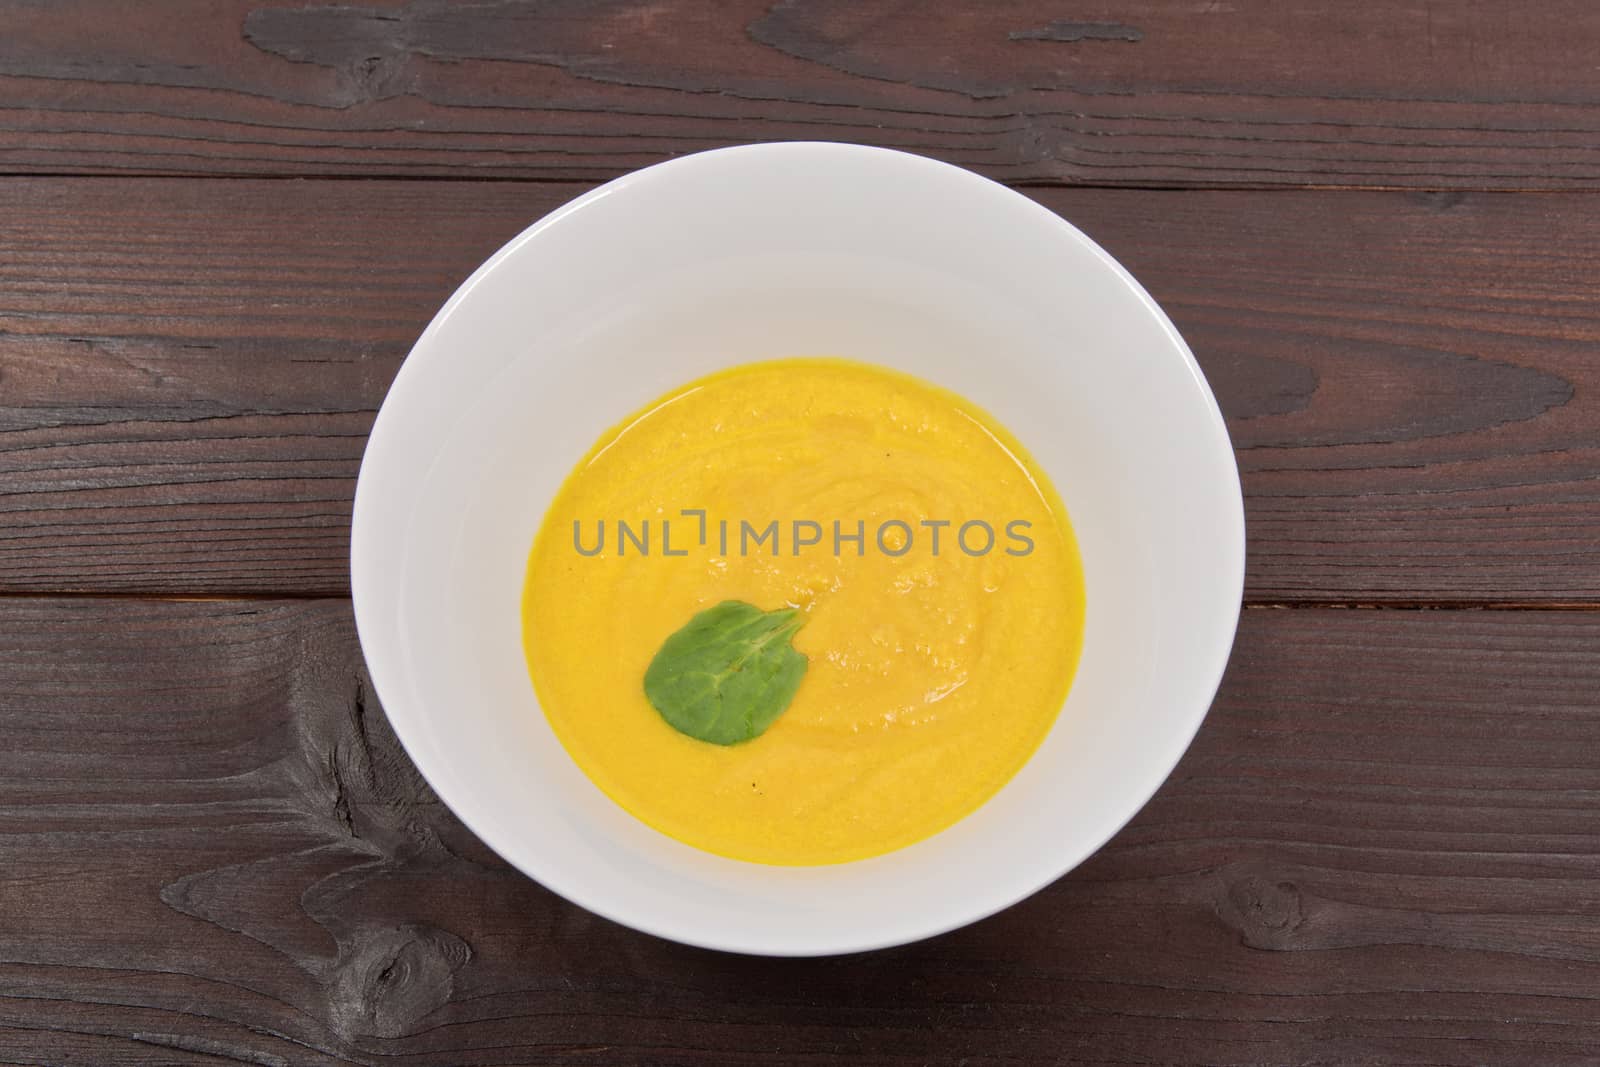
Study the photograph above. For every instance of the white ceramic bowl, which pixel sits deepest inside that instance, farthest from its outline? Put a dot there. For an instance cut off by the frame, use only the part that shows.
(777, 250)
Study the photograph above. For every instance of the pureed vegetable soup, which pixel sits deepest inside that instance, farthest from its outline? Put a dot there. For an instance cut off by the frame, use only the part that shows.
(803, 611)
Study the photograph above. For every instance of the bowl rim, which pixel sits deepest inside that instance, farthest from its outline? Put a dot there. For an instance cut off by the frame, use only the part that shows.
(381, 658)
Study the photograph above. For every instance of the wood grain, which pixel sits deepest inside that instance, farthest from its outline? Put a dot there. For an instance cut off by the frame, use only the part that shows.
(1380, 849)
(188, 371)
(1473, 94)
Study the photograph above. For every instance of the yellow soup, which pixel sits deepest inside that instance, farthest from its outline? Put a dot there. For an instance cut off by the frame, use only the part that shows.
(934, 566)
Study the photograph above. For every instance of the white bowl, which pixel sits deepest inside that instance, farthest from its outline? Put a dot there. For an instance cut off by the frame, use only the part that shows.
(776, 250)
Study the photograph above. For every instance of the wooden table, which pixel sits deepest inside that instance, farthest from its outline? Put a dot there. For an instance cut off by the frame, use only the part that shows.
(223, 223)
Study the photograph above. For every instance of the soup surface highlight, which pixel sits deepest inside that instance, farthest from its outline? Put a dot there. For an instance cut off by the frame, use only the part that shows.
(938, 591)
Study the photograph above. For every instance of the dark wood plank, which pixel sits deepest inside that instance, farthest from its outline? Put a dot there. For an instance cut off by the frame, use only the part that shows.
(187, 365)
(1381, 849)
(1473, 94)
(188, 370)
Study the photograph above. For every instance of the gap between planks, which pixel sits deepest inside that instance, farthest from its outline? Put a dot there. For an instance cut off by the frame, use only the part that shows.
(601, 179)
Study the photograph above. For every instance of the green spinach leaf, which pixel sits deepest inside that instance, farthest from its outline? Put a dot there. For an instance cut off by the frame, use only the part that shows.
(729, 673)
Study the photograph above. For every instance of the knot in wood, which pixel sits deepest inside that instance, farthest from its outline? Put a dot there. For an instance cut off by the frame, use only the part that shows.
(388, 979)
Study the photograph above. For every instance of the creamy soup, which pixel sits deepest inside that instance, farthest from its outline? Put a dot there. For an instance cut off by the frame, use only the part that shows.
(924, 567)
